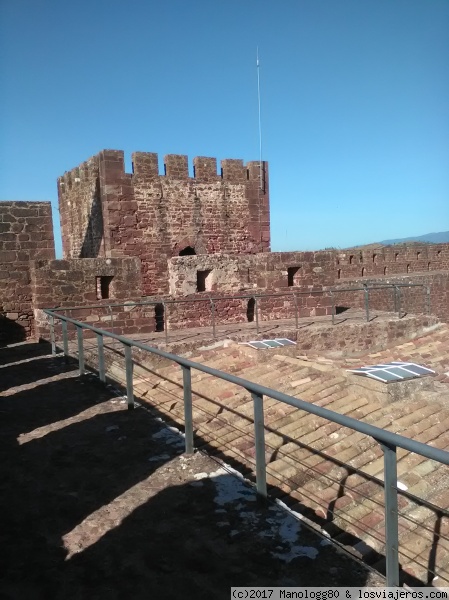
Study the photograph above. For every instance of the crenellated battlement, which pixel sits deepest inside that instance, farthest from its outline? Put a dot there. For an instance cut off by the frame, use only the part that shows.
(106, 211)
(86, 171)
(145, 165)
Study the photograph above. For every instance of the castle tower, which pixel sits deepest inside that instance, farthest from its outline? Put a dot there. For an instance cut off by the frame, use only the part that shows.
(106, 212)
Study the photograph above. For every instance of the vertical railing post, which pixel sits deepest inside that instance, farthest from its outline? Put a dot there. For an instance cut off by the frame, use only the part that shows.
(366, 291)
(101, 367)
(65, 341)
(256, 309)
(112, 317)
(188, 415)
(165, 321)
(52, 335)
(79, 335)
(129, 375)
(398, 291)
(212, 308)
(391, 514)
(295, 299)
(259, 435)
(333, 307)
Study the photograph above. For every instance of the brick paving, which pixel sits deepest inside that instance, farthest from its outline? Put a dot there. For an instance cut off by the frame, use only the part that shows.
(100, 502)
(312, 464)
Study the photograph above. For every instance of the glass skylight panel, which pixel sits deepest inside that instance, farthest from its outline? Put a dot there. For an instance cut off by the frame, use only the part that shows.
(273, 343)
(264, 344)
(285, 342)
(393, 371)
(418, 369)
(257, 345)
(393, 374)
(386, 375)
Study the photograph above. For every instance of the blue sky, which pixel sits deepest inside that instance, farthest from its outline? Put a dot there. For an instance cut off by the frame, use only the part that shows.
(355, 102)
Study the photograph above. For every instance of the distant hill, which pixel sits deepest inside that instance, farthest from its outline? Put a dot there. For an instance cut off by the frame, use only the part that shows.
(429, 238)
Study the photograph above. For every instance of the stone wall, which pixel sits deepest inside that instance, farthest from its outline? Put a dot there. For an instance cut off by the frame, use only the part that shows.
(155, 217)
(273, 271)
(196, 309)
(80, 211)
(414, 299)
(63, 283)
(280, 273)
(26, 231)
(391, 260)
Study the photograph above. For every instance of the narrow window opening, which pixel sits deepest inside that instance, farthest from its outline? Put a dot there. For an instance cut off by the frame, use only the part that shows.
(396, 256)
(159, 317)
(339, 274)
(418, 255)
(204, 281)
(428, 266)
(385, 270)
(291, 272)
(187, 251)
(408, 268)
(351, 259)
(250, 310)
(363, 271)
(103, 283)
(247, 174)
(439, 254)
(374, 258)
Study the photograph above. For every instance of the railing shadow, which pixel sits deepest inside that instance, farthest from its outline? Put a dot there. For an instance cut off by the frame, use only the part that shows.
(80, 520)
(28, 371)
(63, 457)
(309, 473)
(9, 355)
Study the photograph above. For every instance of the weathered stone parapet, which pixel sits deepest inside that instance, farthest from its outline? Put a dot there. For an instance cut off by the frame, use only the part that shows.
(26, 231)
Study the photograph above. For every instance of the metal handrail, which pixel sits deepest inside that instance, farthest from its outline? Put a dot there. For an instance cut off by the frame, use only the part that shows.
(388, 441)
(208, 298)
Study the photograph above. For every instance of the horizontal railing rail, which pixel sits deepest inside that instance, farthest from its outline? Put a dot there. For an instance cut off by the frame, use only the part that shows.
(206, 298)
(388, 440)
(258, 297)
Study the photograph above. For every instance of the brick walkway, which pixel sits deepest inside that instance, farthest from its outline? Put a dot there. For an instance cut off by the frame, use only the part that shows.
(99, 502)
(326, 472)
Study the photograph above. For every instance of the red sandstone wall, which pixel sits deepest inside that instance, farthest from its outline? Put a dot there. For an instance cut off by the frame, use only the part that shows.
(238, 274)
(257, 274)
(195, 310)
(154, 217)
(426, 264)
(26, 231)
(63, 283)
(392, 260)
(81, 212)
(412, 299)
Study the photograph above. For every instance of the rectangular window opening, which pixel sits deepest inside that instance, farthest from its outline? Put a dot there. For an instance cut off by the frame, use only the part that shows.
(204, 281)
(291, 272)
(104, 289)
